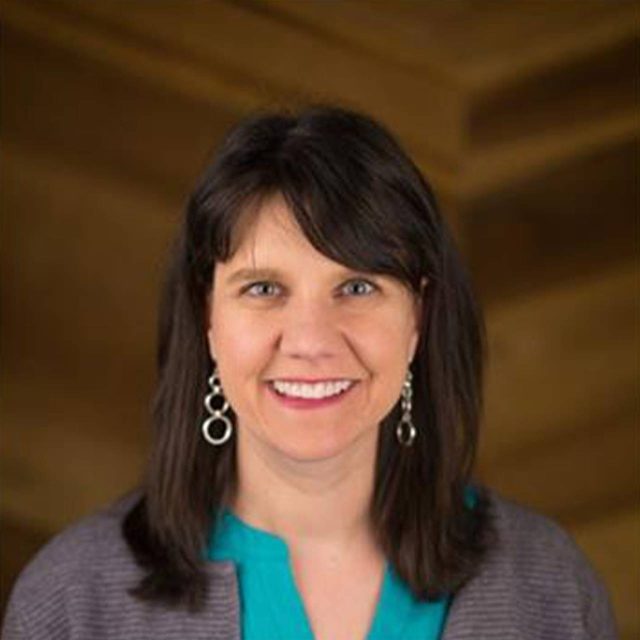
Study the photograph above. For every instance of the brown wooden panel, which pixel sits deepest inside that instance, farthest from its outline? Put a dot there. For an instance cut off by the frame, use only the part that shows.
(68, 453)
(561, 360)
(567, 221)
(480, 44)
(81, 274)
(85, 113)
(574, 476)
(238, 55)
(82, 264)
(589, 89)
(498, 169)
(250, 56)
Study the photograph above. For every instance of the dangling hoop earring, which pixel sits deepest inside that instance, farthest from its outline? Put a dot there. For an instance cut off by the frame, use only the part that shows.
(406, 431)
(216, 415)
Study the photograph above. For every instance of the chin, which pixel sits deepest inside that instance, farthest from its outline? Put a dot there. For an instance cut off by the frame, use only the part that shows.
(313, 449)
(311, 454)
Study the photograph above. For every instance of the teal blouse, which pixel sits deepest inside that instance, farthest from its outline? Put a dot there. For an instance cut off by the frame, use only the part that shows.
(270, 600)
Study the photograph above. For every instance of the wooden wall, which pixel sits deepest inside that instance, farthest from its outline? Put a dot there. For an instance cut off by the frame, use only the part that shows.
(524, 116)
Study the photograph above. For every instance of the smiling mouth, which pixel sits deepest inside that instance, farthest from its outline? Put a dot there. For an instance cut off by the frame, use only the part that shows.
(311, 390)
(297, 395)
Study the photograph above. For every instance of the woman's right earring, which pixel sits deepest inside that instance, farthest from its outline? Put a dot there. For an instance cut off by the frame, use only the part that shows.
(406, 430)
(216, 415)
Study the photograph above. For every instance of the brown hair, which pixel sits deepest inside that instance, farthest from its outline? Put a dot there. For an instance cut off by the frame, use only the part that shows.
(362, 202)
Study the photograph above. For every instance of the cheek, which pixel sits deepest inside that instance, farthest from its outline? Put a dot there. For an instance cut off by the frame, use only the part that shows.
(241, 356)
(240, 348)
(385, 340)
(393, 341)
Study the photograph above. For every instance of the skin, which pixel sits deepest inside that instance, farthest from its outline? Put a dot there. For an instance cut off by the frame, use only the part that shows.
(307, 475)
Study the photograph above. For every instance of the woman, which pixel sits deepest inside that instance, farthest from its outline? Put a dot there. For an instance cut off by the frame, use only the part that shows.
(316, 417)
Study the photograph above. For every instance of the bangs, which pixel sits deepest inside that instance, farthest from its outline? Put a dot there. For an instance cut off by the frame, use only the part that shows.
(350, 222)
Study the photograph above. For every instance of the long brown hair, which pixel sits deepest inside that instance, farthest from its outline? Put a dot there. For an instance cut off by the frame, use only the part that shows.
(362, 202)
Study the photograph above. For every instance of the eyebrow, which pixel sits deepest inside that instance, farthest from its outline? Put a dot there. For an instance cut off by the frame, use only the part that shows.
(245, 274)
(250, 274)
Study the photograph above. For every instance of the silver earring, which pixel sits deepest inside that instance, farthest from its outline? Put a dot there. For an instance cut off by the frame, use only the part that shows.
(216, 415)
(406, 431)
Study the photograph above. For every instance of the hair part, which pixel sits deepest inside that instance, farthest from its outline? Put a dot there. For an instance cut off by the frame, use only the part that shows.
(362, 202)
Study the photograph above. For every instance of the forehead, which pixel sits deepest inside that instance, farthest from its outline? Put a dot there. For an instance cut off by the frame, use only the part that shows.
(271, 232)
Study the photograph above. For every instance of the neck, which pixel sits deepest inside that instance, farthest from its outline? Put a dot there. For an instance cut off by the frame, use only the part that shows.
(311, 504)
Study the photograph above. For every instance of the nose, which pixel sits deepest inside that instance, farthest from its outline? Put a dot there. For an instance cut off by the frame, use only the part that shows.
(310, 330)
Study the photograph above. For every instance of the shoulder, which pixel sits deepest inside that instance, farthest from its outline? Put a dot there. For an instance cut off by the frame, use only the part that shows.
(77, 586)
(88, 546)
(87, 559)
(525, 536)
(539, 546)
(535, 581)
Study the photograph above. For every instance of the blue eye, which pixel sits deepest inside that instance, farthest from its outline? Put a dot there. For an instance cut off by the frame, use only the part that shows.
(266, 289)
(362, 290)
(260, 287)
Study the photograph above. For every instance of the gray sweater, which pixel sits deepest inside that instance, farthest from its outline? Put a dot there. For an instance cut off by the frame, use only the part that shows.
(534, 584)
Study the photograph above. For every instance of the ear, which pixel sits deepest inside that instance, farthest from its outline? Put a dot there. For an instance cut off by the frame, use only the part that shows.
(208, 325)
(419, 317)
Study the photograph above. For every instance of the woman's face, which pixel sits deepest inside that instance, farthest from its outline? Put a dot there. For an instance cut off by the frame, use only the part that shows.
(281, 311)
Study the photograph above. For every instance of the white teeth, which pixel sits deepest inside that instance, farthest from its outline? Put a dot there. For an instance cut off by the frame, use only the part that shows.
(318, 390)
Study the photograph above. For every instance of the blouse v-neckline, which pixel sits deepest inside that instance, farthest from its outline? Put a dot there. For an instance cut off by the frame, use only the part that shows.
(270, 598)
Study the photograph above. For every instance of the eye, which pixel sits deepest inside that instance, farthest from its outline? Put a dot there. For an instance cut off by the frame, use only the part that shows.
(357, 287)
(361, 287)
(259, 289)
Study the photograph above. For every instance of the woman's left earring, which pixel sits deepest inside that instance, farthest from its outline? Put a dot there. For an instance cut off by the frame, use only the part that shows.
(216, 415)
(406, 430)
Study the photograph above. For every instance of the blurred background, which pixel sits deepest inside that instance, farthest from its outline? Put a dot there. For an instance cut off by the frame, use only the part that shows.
(524, 115)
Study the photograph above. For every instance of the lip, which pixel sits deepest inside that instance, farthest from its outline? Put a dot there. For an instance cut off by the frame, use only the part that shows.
(312, 380)
(310, 403)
